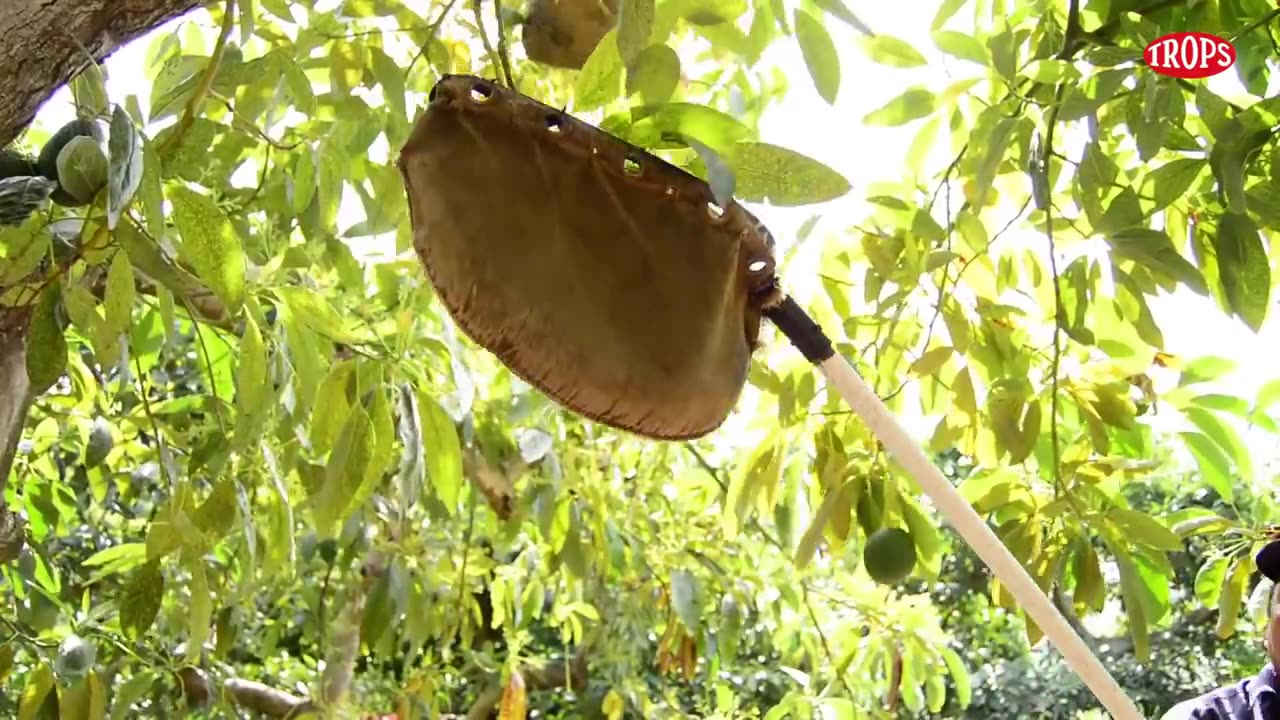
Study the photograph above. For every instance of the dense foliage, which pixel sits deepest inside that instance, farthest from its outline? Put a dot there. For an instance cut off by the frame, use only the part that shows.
(262, 466)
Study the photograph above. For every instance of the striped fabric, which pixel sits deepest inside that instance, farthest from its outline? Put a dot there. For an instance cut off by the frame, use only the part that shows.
(1252, 699)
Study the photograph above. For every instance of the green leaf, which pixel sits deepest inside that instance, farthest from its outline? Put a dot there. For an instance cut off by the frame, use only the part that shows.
(37, 693)
(85, 699)
(1232, 598)
(654, 74)
(46, 342)
(1204, 369)
(199, 611)
(443, 451)
(1170, 181)
(961, 45)
(151, 192)
(1243, 268)
(946, 10)
(819, 55)
(635, 26)
(210, 244)
(140, 600)
(684, 598)
(1142, 528)
(386, 602)
(1209, 579)
(713, 128)
(117, 302)
(413, 466)
(1131, 589)
(344, 471)
(383, 429)
(601, 77)
(124, 172)
(1228, 157)
(719, 175)
(1154, 250)
(782, 177)
(251, 381)
(808, 544)
(1091, 588)
(316, 313)
(913, 104)
(295, 79)
(839, 10)
(891, 51)
(89, 91)
(960, 679)
(1225, 438)
(1215, 469)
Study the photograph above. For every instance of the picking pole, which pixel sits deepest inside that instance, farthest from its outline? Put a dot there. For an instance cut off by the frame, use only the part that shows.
(808, 337)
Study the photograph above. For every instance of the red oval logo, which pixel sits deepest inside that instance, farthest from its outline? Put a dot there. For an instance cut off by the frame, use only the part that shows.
(1189, 55)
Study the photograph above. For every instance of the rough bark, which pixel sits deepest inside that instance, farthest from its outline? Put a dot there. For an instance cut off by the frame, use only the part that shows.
(39, 51)
(14, 388)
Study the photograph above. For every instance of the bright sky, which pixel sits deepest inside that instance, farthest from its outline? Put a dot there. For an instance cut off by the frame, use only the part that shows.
(1192, 325)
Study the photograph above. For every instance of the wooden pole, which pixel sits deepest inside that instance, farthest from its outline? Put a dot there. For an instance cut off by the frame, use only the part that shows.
(961, 515)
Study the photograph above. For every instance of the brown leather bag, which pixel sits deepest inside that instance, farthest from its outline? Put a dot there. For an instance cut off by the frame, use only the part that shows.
(599, 273)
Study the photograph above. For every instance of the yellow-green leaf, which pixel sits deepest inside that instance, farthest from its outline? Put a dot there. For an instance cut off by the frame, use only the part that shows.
(961, 45)
(819, 55)
(210, 244)
(913, 104)
(1209, 579)
(1232, 598)
(1243, 268)
(140, 601)
(601, 75)
(199, 611)
(443, 449)
(635, 25)
(46, 342)
(126, 165)
(654, 74)
(782, 177)
(1141, 527)
(36, 692)
(891, 51)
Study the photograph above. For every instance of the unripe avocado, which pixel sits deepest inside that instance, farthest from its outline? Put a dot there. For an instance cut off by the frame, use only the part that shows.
(47, 163)
(889, 555)
(75, 657)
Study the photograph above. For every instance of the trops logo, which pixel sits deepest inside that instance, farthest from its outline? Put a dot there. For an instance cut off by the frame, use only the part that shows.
(1189, 55)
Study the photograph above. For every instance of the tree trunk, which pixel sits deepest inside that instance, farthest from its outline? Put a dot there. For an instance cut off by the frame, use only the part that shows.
(42, 46)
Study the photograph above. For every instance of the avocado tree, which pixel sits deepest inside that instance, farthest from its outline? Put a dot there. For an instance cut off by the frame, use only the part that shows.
(250, 464)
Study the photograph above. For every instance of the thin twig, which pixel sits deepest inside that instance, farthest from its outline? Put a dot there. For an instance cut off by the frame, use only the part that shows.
(206, 81)
(822, 637)
(1057, 296)
(502, 46)
(1255, 25)
(431, 35)
(477, 7)
(466, 554)
(155, 427)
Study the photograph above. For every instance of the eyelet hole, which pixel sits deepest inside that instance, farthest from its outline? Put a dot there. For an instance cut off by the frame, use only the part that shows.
(555, 124)
(757, 266)
(631, 166)
(671, 192)
(715, 211)
(481, 93)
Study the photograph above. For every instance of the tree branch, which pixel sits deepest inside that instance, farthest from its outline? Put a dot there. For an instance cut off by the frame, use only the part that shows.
(546, 676)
